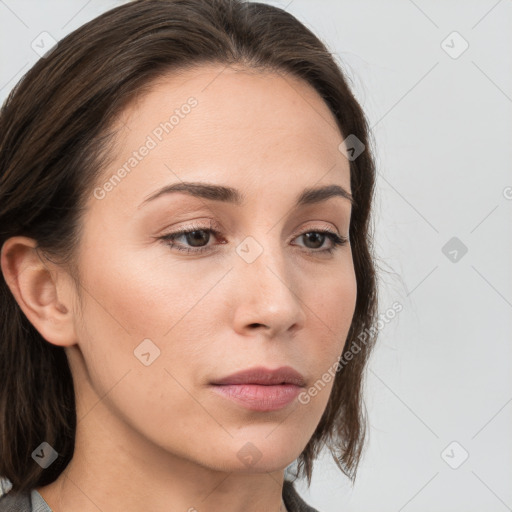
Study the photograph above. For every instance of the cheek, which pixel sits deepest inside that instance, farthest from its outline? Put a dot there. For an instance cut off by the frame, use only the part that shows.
(139, 299)
(136, 313)
(144, 295)
(333, 306)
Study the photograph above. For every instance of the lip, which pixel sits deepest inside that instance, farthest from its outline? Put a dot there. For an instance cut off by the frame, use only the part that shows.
(261, 389)
(264, 376)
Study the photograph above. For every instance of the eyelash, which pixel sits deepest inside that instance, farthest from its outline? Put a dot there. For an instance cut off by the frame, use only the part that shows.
(337, 240)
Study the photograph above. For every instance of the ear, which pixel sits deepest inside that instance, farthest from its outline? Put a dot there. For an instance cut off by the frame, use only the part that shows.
(42, 290)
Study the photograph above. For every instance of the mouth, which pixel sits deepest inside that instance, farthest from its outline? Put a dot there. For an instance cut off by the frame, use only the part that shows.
(261, 389)
(264, 377)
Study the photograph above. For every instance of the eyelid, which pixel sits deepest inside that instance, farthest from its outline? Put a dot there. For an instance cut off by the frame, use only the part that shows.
(217, 229)
(305, 228)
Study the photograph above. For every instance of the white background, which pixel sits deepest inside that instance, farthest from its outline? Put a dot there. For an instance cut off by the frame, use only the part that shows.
(442, 128)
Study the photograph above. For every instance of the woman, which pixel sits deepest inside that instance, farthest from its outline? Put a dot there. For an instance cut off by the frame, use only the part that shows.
(186, 188)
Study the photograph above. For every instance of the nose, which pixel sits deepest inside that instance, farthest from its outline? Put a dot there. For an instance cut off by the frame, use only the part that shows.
(267, 296)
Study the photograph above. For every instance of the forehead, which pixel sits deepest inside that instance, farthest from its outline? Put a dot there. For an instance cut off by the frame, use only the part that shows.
(220, 124)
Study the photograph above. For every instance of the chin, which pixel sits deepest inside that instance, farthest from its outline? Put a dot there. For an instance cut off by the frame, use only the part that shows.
(257, 454)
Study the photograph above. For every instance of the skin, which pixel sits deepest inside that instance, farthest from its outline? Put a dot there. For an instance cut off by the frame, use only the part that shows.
(151, 436)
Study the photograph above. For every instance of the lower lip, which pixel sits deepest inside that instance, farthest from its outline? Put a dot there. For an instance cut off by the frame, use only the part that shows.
(257, 397)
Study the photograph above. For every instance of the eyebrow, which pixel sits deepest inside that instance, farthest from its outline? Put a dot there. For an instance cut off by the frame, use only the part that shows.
(231, 195)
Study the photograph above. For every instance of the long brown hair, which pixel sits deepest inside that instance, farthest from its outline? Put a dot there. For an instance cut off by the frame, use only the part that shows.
(54, 142)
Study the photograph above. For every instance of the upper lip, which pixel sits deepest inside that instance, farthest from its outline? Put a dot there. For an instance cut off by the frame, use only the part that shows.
(264, 376)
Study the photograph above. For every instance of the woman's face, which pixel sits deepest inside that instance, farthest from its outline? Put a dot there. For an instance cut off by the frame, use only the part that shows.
(160, 323)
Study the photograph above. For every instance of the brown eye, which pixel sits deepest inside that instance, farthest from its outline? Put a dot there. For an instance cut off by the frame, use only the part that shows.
(194, 239)
(315, 238)
(197, 238)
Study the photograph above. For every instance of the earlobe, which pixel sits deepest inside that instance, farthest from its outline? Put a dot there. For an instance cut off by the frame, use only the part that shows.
(39, 289)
